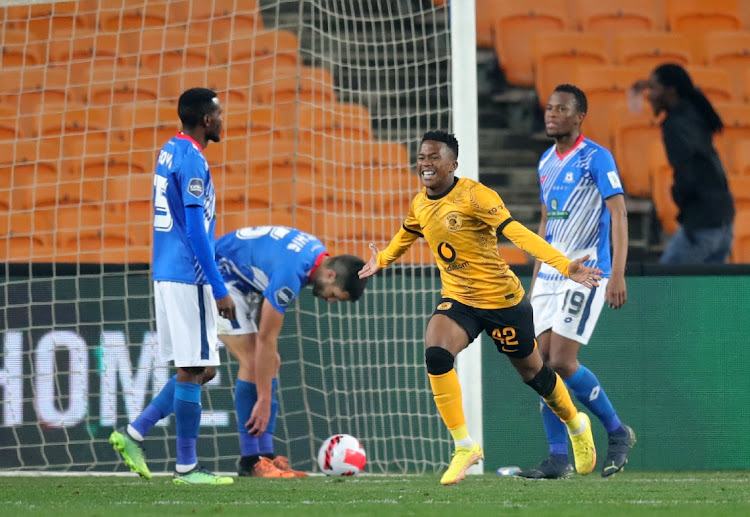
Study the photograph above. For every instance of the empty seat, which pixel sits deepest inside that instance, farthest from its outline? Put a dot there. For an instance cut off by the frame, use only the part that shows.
(736, 119)
(556, 55)
(740, 188)
(485, 18)
(30, 86)
(741, 243)
(24, 236)
(337, 120)
(65, 118)
(695, 17)
(741, 158)
(116, 17)
(120, 85)
(167, 49)
(82, 51)
(44, 18)
(149, 125)
(729, 51)
(662, 177)
(715, 83)
(252, 49)
(651, 49)
(610, 17)
(19, 49)
(515, 24)
(604, 85)
(10, 125)
(633, 134)
(275, 85)
(231, 86)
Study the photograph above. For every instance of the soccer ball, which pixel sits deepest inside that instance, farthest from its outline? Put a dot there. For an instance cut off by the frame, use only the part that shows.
(341, 455)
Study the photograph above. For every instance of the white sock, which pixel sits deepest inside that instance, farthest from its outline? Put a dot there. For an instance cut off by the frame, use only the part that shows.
(581, 426)
(135, 435)
(465, 442)
(185, 468)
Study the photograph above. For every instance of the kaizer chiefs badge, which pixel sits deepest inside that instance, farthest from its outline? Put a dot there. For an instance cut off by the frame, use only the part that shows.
(453, 221)
(444, 306)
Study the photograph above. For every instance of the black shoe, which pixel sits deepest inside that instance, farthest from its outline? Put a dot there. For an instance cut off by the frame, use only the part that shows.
(550, 468)
(617, 452)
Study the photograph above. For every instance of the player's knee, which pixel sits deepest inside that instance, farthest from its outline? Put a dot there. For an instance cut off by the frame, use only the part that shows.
(562, 365)
(209, 374)
(544, 381)
(438, 360)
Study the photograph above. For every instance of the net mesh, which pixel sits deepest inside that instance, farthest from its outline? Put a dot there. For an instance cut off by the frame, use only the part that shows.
(323, 103)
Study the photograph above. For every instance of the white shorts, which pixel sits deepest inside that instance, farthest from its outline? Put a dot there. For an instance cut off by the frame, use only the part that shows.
(567, 307)
(248, 313)
(186, 323)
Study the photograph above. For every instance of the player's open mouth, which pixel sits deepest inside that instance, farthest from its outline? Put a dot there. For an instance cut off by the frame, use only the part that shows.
(428, 174)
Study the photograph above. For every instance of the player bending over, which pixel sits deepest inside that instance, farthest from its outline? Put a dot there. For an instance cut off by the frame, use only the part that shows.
(264, 269)
(460, 219)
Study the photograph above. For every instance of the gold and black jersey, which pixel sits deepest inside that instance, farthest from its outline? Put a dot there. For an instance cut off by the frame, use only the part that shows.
(461, 228)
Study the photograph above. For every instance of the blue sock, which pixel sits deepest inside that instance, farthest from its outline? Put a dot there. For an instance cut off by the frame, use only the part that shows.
(159, 408)
(557, 433)
(265, 442)
(585, 386)
(187, 412)
(245, 396)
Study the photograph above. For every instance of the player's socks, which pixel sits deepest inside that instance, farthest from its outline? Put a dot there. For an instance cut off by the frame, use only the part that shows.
(161, 407)
(446, 391)
(245, 396)
(265, 441)
(585, 386)
(557, 434)
(559, 400)
(187, 412)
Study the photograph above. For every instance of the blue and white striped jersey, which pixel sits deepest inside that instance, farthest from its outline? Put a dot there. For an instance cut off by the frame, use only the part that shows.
(573, 188)
(182, 179)
(275, 260)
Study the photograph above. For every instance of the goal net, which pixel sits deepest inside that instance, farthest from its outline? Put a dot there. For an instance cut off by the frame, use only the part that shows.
(325, 102)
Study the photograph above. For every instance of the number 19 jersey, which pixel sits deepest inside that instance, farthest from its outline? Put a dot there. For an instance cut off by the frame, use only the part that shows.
(573, 188)
(182, 179)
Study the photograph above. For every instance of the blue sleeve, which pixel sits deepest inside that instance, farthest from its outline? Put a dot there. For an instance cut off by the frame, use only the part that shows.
(604, 172)
(202, 248)
(283, 289)
(193, 173)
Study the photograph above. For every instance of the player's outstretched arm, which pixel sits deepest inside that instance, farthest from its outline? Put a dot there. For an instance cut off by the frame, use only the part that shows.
(371, 267)
(582, 274)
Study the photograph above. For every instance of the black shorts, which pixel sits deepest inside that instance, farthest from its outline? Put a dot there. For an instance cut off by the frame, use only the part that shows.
(511, 328)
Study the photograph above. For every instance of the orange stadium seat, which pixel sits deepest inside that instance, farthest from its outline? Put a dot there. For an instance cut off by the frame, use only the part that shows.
(19, 49)
(24, 236)
(650, 49)
(221, 18)
(30, 86)
(662, 177)
(715, 83)
(249, 50)
(60, 119)
(633, 135)
(695, 18)
(485, 19)
(120, 85)
(335, 120)
(741, 158)
(275, 85)
(10, 125)
(740, 188)
(129, 189)
(729, 51)
(515, 24)
(44, 18)
(741, 245)
(116, 17)
(83, 51)
(736, 119)
(231, 86)
(604, 86)
(556, 56)
(610, 17)
(166, 49)
(148, 125)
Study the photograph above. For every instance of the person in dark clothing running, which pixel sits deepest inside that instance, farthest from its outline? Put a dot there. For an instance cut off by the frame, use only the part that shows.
(700, 189)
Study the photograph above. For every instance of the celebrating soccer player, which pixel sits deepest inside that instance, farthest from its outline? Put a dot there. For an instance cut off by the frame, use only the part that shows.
(460, 219)
(186, 283)
(581, 198)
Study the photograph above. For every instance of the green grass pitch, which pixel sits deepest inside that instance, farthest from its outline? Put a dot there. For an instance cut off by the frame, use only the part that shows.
(682, 494)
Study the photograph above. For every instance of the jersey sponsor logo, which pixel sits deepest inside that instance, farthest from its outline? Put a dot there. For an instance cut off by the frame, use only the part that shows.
(446, 252)
(195, 187)
(444, 306)
(569, 178)
(460, 265)
(614, 179)
(453, 222)
(283, 296)
(555, 213)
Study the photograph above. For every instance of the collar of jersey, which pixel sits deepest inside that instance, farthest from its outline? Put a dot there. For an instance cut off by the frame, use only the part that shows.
(317, 263)
(575, 146)
(182, 135)
(440, 196)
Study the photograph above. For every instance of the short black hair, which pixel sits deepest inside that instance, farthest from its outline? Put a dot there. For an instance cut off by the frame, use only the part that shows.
(442, 136)
(194, 104)
(347, 275)
(581, 102)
